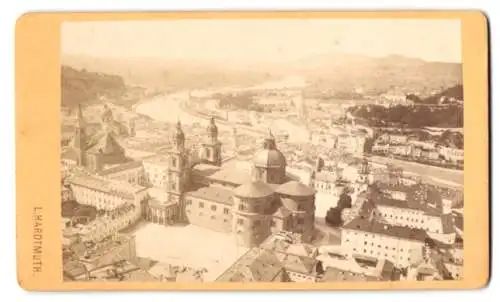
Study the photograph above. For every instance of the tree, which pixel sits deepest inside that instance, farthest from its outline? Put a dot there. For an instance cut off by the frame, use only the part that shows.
(345, 200)
(367, 148)
(334, 217)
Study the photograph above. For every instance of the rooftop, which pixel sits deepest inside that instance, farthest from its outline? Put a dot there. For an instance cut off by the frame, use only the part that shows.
(257, 265)
(120, 168)
(230, 172)
(418, 197)
(254, 189)
(215, 194)
(400, 232)
(125, 190)
(295, 188)
(333, 274)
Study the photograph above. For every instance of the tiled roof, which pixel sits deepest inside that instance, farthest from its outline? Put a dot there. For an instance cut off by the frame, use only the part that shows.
(125, 190)
(257, 265)
(74, 268)
(458, 220)
(302, 249)
(448, 223)
(400, 232)
(205, 170)
(214, 194)
(282, 212)
(106, 144)
(231, 174)
(121, 167)
(326, 177)
(139, 275)
(295, 188)
(69, 153)
(333, 274)
(254, 189)
(418, 197)
(157, 160)
(298, 264)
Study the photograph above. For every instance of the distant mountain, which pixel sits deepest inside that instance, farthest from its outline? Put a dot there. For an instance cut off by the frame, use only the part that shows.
(331, 71)
(166, 75)
(340, 71)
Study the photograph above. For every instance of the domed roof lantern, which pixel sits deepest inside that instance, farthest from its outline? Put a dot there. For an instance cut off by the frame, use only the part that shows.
(179, 134)
(269, 156)
(270, 141)
(212, 128)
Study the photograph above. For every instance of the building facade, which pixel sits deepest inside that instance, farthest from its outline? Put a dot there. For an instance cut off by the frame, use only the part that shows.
(175, 186)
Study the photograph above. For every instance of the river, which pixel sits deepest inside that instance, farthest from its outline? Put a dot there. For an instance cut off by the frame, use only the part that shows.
(167, 108)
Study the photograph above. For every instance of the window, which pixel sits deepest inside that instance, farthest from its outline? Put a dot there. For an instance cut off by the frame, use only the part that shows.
(226, 211)
(188, 202)
(213, 207)
(212, 217)
(241, 207)
(256, 223)
(201, 205)
(273, 223)
(174, 161)
(239, 221)
(366, 243)
(300, 220)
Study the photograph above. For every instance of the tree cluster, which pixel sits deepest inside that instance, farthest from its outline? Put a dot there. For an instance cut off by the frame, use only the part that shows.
(409, 117)
(243, 100)
(80, 86)
(334, 215)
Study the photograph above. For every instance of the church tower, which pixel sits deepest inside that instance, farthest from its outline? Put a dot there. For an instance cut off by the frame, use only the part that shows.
(177, 172)
(211, 147)
(79, 142)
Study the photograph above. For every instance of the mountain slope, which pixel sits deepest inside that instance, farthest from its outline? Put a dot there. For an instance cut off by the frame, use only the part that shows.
(80, 86)
(346, 71)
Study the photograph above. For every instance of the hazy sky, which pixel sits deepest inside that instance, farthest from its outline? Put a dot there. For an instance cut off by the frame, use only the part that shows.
(264, 40)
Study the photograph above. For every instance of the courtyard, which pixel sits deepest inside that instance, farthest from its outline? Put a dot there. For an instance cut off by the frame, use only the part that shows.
(189, 246)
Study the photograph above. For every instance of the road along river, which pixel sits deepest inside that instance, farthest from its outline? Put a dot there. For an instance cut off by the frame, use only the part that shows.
(169, 108)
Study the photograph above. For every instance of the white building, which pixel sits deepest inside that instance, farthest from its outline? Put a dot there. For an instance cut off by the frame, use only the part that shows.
(353, 144)
(414, 207)
(400, 245)
(106, 194)
(452, 154)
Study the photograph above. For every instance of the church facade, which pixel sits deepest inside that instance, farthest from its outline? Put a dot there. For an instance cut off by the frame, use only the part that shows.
(203, 190)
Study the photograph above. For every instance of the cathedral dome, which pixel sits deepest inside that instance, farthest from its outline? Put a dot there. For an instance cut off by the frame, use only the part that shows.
(269, 156)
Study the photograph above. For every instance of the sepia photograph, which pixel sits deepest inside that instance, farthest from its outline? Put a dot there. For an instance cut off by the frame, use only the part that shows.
(262, 150)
